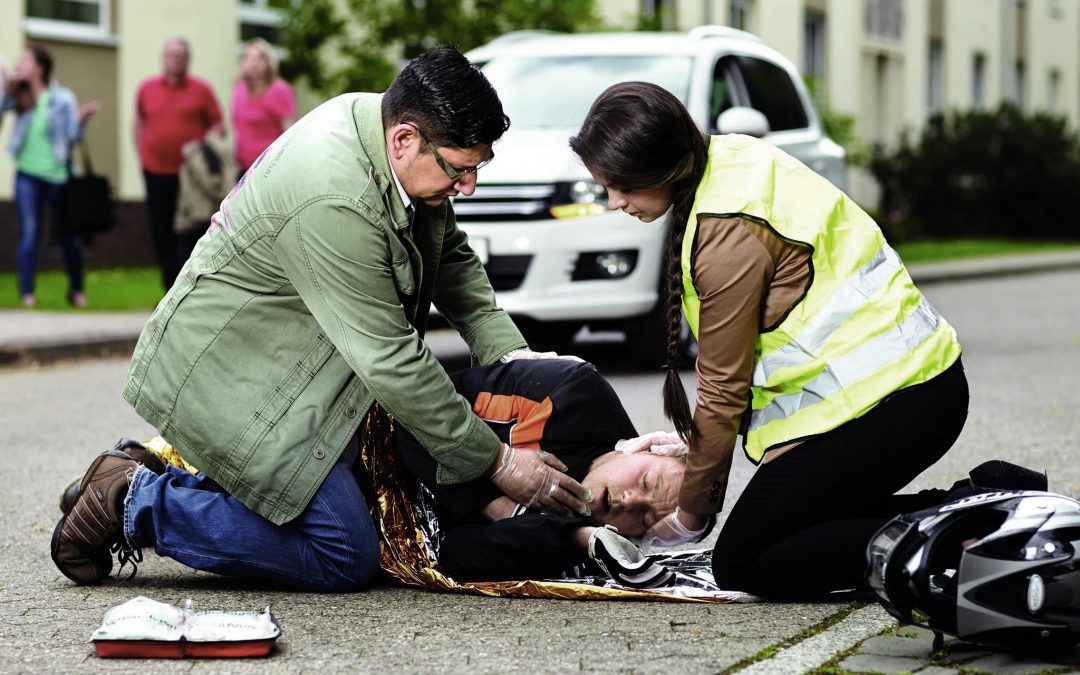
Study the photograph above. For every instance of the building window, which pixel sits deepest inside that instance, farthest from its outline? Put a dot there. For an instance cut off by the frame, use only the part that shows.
(657, 15)
(68, 18)
(1019, 83)
(814, 45)
(934, 79)
(884, 19)
(1053, 92)
(261, 18)
(741, 14)
(978, 82)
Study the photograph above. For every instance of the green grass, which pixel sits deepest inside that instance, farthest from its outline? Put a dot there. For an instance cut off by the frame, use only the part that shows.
(139, 288)
(113, 290)
(939, 251)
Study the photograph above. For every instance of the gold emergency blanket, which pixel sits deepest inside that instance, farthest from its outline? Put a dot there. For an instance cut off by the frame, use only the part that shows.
(408, 554)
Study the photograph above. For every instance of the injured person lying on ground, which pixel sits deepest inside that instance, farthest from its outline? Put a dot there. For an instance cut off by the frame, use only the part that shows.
(567, 409)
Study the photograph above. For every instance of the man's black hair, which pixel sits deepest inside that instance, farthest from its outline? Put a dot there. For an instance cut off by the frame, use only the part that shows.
(448, 98)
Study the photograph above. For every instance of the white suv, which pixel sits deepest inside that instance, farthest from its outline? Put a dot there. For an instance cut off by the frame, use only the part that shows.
(556, 256)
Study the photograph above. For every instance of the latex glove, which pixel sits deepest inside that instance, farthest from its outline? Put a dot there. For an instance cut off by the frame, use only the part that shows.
(528, 354)
(536, 477)
(676, 528)
(623, 562)
(658, 442)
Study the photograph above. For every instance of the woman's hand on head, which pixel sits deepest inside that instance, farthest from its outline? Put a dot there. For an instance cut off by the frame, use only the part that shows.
(658, 442)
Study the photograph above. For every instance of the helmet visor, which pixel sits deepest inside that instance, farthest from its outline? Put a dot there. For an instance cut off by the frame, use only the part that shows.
(880, 554)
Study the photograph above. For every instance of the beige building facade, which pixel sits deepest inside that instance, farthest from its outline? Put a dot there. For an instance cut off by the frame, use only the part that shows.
(890, 63)
(103, 49)
(893, 63)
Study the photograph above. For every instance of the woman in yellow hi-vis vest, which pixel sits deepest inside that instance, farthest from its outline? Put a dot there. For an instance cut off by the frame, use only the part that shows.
(814, 345)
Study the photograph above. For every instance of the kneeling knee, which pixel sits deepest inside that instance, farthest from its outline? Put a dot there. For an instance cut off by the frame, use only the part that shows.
(360, 570)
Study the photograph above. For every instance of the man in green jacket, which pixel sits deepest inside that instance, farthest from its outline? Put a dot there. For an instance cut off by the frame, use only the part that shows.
(303, 306)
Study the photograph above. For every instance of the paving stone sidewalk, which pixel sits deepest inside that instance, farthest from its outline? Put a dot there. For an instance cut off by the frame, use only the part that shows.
(909, 649)
(865, 641)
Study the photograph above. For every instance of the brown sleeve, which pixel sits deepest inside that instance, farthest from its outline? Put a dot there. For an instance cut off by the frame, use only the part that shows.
(732, 272)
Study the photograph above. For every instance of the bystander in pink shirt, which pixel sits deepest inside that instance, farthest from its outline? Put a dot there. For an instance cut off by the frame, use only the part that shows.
(258, 120)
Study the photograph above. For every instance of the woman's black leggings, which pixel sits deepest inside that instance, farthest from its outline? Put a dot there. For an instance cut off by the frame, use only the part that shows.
(799, 530)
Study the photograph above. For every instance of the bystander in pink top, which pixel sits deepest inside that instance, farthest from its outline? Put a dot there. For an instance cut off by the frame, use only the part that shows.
(259, 119)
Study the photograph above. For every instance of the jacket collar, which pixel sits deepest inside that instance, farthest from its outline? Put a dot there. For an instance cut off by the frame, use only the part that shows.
(368, 117)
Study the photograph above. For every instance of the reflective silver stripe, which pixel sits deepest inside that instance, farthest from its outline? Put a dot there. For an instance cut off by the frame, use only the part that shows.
(854, 366)
(847, 300)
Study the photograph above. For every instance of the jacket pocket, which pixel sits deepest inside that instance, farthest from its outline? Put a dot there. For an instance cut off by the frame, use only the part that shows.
(400, 266)
(285, 392)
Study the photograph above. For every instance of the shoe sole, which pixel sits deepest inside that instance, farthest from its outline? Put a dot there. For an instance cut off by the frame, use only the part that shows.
(54, 544)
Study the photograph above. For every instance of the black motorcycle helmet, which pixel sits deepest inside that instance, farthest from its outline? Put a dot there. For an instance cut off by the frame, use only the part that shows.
(999, 568)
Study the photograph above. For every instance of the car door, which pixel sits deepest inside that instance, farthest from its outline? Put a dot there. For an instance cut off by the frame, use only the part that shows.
(770, 88)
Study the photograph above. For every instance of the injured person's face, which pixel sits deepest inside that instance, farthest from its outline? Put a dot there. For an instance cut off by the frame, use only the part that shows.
(633, 491)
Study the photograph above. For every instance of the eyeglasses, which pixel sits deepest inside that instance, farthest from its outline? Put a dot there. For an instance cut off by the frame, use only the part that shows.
(452, 172)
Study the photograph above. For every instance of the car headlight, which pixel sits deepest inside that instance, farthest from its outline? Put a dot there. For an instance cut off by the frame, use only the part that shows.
(578, 199)
(604, 264)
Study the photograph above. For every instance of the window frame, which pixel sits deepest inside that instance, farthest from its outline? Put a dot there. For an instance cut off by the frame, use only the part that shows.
(256, 13)
(814, 35)
(73, 31)
(743, 90)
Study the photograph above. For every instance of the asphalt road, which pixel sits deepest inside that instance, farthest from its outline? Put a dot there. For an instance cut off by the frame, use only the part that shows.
(1021, 338)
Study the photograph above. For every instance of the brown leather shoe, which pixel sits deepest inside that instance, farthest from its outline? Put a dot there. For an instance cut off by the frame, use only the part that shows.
(138, 452)
(134, 450)
(92, 528)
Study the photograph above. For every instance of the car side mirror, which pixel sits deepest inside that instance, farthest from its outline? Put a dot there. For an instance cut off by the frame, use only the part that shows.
(742, 120)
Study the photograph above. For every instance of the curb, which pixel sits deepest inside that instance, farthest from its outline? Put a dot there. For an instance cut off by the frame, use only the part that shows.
(817, 650)
(38, 353)
(926, 274)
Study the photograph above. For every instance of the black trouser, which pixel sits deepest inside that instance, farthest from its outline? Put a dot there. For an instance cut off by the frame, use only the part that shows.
(161, 193)
(800, 528)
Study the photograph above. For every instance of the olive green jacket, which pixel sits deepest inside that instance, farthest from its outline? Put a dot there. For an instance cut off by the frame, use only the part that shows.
(305, 303)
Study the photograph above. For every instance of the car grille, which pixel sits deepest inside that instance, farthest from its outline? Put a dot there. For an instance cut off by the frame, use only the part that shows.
(505, 202)
(506, 272)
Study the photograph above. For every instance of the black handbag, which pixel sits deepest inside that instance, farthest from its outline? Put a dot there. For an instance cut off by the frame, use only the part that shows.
(84, 205)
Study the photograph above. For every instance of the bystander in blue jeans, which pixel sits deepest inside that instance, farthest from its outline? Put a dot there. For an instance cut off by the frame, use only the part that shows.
(331, 546)
(31, 195)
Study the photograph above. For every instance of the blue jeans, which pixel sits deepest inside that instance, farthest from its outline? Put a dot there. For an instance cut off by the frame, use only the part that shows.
(331, 546)
(31, 195)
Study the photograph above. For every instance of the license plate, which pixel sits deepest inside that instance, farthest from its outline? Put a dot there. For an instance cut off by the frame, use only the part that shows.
(479, 246)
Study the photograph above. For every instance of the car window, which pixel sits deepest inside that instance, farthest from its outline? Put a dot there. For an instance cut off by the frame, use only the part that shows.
(722, 95)
(772, 93)
(552, 92)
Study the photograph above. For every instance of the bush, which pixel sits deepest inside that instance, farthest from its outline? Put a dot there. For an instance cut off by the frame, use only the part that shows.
(985, 174)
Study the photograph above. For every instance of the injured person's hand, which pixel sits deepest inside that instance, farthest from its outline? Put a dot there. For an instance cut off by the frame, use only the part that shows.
(532, 477)
(623, 562)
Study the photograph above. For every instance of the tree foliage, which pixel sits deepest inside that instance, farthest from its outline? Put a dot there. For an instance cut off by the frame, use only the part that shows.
(838, 126)
(359, 45)
(997, 173)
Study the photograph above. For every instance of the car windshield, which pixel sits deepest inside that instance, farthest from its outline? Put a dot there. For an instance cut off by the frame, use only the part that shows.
(556, 92)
